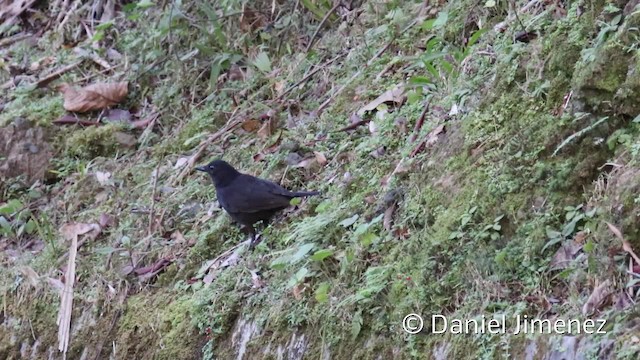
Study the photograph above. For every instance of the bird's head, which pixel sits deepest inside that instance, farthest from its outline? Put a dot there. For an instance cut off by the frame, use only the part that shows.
(220, 171)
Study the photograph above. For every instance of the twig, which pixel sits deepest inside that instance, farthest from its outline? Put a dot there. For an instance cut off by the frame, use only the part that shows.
(416, 129)
(91, 76)
(350, 81)
(15, 38)
(56, 74)
(309, 75)
(515, 12)
(153, 199)
(231, 124)
(324, 19)
(354, 125)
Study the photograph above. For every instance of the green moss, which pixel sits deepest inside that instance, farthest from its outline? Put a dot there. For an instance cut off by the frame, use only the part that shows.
(92, 142)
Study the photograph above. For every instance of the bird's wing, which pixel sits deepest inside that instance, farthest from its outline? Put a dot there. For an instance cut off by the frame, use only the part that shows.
(250, 194)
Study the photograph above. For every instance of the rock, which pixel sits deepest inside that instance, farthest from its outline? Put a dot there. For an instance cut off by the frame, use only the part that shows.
(24, 150)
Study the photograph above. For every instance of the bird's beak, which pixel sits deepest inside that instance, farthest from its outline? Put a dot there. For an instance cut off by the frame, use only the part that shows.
(201, 168)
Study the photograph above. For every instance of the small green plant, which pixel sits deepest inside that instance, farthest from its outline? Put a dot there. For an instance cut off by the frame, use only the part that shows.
(16, 219)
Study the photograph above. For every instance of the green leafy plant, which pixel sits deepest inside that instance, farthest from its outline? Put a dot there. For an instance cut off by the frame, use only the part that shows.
(16, 219)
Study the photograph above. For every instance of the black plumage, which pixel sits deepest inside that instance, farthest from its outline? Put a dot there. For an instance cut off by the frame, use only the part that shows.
(248, 199)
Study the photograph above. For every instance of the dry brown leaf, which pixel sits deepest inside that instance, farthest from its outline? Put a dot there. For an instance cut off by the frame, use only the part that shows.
(395, 95)
(297, 291)
(565, 255)
(580, 237)
(73, 230)
(432, 138)
(626, 246)
(306, 163)
(320, 158)
(276, 144)
(258, 157)
(279, 87)
(268, 128)
(615, 230)
(93, 97)
(251, 125)
(597, 298)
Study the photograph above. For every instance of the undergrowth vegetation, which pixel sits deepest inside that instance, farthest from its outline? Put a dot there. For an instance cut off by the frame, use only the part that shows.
(474, 158)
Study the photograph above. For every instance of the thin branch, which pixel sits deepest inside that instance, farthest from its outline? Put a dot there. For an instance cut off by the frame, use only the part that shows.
(324, 19)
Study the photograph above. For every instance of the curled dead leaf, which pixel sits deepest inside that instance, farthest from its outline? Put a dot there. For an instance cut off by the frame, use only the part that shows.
(395, 95)
(597, 298)
(93, 97)
(268, 128)
(565, 255)
(626, 246)
(320, 158)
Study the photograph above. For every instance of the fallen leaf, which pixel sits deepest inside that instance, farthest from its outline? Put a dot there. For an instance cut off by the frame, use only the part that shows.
(93, 97)
(597, 298)
(402, 233)
(626, 246)
(580, 237)
(395, 95)
(320, 158)
(565, 255)
(251, 125)
(72, 230)
(147, 272)
(268, 128)
(276, 144)
(297, 291)
(279, 87)
(258, 157)
(306, 163)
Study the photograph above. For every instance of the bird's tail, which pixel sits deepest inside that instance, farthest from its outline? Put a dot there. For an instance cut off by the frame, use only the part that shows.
(303, 193)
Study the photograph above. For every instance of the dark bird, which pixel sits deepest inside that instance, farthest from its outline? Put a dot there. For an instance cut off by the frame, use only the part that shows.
(248, 199)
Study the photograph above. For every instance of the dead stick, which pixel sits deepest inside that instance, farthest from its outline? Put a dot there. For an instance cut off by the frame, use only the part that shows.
(419, 124)
(56, 74)
(14, 39)
(153, 199)
(354, 125)
(324, 19)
